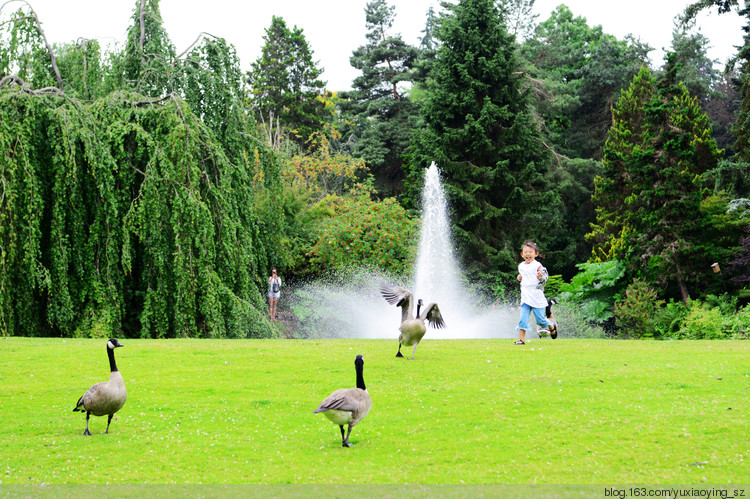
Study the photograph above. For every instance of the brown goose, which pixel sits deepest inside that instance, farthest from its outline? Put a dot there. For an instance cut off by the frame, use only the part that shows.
(348, 405)
(106, 397)
(412, 328)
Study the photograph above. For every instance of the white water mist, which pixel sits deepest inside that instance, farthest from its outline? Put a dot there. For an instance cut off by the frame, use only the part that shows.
(350, 306)
(439, 279)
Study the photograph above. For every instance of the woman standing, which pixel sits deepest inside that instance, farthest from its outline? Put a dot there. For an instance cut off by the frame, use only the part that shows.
(274, 293)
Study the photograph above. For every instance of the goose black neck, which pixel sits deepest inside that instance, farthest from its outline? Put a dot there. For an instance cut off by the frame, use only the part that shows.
(111, 355)
(360, 378)
(419, 305)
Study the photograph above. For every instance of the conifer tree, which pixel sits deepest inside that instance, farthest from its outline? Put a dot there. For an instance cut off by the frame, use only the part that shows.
(650, 197)
(480, 132)
(613, 186)
(380, 107)
(285, 82)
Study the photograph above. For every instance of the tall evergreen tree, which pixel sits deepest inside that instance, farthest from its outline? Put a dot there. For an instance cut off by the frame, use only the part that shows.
(480, 132)
(613, 186)
(656, 153)
(285, 82)
(378, 102)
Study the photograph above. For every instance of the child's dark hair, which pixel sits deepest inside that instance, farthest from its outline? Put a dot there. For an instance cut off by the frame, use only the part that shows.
(530, 244)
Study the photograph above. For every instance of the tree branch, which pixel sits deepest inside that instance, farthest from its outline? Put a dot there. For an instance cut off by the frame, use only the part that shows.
(200, 36)
(53, 59)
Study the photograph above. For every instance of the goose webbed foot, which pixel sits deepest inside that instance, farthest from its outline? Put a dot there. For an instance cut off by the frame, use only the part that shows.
(345, 442)
(398, 354)
(87, 432)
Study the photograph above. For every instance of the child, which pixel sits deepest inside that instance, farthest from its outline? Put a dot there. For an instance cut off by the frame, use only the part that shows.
(533, 276)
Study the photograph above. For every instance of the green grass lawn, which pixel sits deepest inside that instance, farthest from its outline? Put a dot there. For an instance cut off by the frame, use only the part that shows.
(465, 411)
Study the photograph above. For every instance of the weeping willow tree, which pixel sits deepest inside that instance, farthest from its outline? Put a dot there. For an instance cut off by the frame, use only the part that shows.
(124, 214)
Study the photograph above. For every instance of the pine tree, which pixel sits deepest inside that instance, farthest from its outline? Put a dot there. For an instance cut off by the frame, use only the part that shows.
(285, 81)
(378, 103)
(480, 132)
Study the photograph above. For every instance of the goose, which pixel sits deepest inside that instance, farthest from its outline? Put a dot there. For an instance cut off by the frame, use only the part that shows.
(348, 405)
(412, 329)
(106, 397)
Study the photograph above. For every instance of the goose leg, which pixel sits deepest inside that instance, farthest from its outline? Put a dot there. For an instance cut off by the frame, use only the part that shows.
(399, 351)
(414, 352)
(86, 431)
(109, 420)
(343, 439)
(346, 440)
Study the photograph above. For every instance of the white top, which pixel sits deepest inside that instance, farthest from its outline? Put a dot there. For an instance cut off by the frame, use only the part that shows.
(532, 293)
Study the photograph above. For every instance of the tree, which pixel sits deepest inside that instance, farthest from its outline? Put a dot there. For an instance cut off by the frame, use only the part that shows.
(25, 52)
(285, 83)
(696, 70)
(147, 64)
(651, 190)
(479, 129)
(519, 17)
(577, 73)
(613, 186)
(378, 104)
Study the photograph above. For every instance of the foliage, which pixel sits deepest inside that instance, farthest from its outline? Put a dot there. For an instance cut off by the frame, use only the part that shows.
(481, 133)
(668, 319)
(634, 315)
(363, 232)
(612, 187)
(657, 152)
(577, 73)
(695, 70)
(123, 214)
(553, 286)
(284, 81)
(573, 323)
(740, 266)
(378, 103)
(595, 289)
(23, 51)
(573, 182)
(147, 63)
(701, 323)
(737, 325)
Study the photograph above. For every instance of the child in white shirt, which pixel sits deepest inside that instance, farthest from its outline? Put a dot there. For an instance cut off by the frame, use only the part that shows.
(533, 276)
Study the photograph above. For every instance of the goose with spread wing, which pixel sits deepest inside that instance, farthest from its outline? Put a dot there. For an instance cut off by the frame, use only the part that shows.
(412, 327)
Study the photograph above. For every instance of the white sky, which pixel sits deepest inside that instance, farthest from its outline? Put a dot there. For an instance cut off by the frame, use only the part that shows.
(336, 27)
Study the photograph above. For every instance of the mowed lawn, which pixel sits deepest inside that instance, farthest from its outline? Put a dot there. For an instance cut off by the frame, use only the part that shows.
(464, 411)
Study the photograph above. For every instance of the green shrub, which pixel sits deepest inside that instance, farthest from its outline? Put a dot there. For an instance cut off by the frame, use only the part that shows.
(595, 289)
(376, 234)
(737, 325)
(635, 314)
(702, 323)
(668, 320)
(574, 324)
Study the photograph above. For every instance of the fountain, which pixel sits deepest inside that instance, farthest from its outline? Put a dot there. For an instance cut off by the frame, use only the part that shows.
(351, 306)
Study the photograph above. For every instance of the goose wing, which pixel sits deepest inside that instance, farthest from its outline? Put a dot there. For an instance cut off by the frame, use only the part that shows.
(345, 399)
(401, 297)
(432, 314)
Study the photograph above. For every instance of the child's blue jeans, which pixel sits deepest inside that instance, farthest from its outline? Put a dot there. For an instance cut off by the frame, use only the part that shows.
(538, 315)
